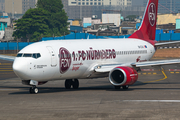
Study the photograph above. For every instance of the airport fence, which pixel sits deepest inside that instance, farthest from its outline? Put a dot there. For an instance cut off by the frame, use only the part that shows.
(14, 47)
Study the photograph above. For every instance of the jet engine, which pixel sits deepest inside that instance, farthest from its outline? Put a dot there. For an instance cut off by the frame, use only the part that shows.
(122, 76)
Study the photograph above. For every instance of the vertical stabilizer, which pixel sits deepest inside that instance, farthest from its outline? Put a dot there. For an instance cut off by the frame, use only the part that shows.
(147, 30)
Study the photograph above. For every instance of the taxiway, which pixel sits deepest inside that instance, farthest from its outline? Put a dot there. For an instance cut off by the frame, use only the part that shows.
(156, 96)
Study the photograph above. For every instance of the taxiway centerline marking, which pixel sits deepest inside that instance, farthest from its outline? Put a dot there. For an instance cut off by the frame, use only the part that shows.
(165, 77)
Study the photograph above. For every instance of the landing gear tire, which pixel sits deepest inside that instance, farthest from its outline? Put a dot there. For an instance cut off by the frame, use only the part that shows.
(117, 87)
(75, 84)
(68, 84)
(33, 90)
(125, 87)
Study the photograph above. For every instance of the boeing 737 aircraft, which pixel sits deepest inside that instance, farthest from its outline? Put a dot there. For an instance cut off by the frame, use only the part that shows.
(70, 60)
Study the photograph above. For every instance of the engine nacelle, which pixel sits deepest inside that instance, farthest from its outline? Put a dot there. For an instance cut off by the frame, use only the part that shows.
(121, 76)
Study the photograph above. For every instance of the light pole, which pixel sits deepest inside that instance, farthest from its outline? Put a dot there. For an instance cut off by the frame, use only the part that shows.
(171, 6)
(12, 8)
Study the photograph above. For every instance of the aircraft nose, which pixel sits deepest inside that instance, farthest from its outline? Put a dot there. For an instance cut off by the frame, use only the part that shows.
(20, 68)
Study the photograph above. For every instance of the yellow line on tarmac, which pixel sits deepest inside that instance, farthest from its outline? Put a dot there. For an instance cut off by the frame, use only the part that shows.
(5, 70)
(5, 63)
(165, 77)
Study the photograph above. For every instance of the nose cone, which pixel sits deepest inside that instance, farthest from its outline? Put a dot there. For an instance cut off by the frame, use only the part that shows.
(20, 68)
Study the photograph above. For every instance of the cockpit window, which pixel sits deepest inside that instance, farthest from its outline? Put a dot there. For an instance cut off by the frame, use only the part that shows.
(33, 55)
(19, 55)
(27, 55)
(36, 55)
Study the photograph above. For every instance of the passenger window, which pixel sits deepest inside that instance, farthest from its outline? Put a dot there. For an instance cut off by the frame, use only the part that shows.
(19, 55)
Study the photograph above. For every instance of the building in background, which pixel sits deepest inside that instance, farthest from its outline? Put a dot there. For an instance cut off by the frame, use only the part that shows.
(2, 5)
(13, 6)
(167, 18)
(178, 23)
(27, 4)
(112, 18)
(19, 6)
(78, 9)
(167, 6)
(99, 2)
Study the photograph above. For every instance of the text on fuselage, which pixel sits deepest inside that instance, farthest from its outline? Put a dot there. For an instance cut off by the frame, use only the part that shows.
(93, 54)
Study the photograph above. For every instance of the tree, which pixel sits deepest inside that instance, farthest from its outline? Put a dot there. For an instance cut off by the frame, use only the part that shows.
(34, 23)
(58, 18)
(48, 19)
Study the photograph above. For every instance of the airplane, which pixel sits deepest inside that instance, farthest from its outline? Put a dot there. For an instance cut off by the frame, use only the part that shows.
(71, 60)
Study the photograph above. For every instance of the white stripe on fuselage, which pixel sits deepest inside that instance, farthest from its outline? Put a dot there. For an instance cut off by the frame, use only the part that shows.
(121, 51)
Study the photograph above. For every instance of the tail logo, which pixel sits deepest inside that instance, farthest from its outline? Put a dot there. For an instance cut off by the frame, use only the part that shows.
(152, 14)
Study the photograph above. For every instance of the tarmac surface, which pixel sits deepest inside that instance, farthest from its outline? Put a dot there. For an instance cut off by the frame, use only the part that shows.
(156, 96)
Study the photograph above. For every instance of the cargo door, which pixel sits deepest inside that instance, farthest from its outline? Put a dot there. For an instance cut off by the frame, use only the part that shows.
(53, 57)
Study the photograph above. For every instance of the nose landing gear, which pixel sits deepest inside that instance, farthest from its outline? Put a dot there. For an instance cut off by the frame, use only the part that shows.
(72, 82)
(33, 90)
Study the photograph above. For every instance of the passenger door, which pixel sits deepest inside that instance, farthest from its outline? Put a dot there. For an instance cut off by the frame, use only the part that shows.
(53, 57)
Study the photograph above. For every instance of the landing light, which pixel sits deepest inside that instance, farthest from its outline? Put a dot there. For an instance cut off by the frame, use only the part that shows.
(98, 67)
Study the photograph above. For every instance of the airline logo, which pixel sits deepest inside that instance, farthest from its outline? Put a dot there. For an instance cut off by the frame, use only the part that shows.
(142, 46)
(65, 57)
(65, 60)
(152, 14)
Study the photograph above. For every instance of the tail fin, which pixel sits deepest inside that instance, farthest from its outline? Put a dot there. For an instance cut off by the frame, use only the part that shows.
(147, 30)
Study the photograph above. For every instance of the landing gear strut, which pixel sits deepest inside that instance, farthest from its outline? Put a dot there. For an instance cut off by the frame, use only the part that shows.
(33, 90)
(74, 83)
(123, 87)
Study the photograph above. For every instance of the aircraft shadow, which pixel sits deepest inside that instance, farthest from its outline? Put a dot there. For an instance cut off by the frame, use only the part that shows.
(42, 90)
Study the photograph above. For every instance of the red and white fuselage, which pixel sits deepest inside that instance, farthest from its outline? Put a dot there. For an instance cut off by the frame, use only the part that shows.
(71, 60)
(67, 59)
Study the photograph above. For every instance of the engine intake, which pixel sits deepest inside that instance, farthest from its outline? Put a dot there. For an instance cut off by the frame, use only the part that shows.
(121, 76)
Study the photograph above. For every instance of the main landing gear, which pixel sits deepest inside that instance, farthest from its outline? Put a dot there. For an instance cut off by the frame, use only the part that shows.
(123, 87)
(33, 90)
(72, 82)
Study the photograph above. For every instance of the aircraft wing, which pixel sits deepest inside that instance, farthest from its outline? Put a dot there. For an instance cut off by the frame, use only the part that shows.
(5, 57)
(156, 63)
(105, 68)
(108, 68)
